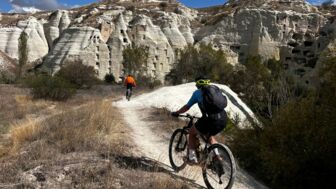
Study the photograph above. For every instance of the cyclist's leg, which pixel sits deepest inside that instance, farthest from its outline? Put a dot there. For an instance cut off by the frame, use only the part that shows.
(192, 138)
(131, 90)
(215, 127)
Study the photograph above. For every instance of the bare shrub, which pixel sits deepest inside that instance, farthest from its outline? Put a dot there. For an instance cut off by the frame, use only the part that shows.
(78, 74)
(48, 87)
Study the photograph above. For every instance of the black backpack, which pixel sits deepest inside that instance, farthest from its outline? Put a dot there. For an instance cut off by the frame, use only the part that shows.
(213, 99)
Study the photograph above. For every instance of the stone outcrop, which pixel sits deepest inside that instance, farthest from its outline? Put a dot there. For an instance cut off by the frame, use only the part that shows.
(294, 38)
(161, 54)
(119, 28)
(37, 44)
(9, 37)
(58, 22)
(78, 44)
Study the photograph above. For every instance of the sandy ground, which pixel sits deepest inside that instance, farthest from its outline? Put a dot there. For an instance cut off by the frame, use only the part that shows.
(155, 146)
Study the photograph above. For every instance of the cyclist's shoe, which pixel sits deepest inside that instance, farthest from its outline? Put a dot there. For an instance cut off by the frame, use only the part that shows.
(192, 161)
(191, 158)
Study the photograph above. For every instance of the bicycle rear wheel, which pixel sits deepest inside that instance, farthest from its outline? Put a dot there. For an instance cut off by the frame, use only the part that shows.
(178, 149)
(220, 168)
(128, 94)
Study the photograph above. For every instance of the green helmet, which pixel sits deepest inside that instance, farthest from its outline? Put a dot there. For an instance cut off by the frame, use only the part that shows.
(201, 81)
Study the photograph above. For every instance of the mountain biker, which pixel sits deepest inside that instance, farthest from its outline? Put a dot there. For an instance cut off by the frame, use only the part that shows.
(129, 82)
(208, 124)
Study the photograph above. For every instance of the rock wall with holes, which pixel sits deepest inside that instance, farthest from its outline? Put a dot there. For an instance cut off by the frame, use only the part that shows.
(120, 28)
(296, 39)
(79, 43)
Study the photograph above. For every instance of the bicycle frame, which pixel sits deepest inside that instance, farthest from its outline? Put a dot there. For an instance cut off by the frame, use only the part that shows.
(203, 137)
(214, 163)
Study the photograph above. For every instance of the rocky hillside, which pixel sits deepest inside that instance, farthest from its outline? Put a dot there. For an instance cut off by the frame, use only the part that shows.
(291, 31)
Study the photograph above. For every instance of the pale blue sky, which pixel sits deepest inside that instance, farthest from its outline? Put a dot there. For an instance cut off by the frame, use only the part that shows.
(7, 5)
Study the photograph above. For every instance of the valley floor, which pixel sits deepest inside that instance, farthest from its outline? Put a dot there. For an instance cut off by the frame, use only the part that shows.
(86, 142)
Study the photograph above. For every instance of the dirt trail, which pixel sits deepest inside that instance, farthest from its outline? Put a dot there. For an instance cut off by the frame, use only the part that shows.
(155, 146)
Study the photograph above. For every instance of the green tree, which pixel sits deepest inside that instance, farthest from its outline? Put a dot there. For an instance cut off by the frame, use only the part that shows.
(264, 85)
(23, 54)
(134, 59)
(203, 60)
(295, 148)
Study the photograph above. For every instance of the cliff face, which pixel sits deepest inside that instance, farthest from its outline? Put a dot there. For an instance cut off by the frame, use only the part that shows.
(294, 38)
(291, 31)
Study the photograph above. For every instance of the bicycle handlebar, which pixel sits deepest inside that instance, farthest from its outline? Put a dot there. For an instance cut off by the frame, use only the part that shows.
(188, 116)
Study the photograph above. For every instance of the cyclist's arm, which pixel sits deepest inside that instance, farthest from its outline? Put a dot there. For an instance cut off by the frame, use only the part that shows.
(193, 100)
(183, 109)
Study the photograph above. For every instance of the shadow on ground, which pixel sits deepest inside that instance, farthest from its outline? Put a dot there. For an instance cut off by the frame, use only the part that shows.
(151, 165)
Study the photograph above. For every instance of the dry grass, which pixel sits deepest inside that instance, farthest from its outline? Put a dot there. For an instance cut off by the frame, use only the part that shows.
(92, 141)
(22, 132)
(81, 143)
(95, 131)
(16, 104)
(87, 128)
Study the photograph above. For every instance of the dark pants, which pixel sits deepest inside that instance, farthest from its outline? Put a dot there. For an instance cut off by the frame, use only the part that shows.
(129, 88)
(212, 124)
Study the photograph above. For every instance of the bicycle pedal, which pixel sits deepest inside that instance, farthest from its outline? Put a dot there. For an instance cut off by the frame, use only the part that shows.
(189, 162)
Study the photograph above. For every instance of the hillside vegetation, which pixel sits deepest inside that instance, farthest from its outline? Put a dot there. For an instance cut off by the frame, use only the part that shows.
(294, 148)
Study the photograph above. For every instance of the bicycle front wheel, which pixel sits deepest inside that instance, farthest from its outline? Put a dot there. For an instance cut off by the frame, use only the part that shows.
(178, 149)
(220, 168)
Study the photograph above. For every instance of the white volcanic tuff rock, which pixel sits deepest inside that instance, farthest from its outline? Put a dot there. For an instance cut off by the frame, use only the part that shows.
(78, 43)
(37, 43)
(288, 36)
(58, 22)
(117, 43)
(186, 12)
(183, 24)
(9, 38)
(258, 31)
(170, 26)
(161, 55)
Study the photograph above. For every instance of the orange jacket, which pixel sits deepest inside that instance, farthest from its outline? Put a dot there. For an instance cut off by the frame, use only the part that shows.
(130, 80)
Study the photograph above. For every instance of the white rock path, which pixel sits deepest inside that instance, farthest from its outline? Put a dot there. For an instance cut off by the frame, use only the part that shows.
(152, 146)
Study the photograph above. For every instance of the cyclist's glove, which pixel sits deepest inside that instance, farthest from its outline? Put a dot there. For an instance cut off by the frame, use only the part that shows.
(175, 114)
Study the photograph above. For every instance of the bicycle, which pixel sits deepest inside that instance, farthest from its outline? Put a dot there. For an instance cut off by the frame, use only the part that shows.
(218, 169)
(128, 94)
